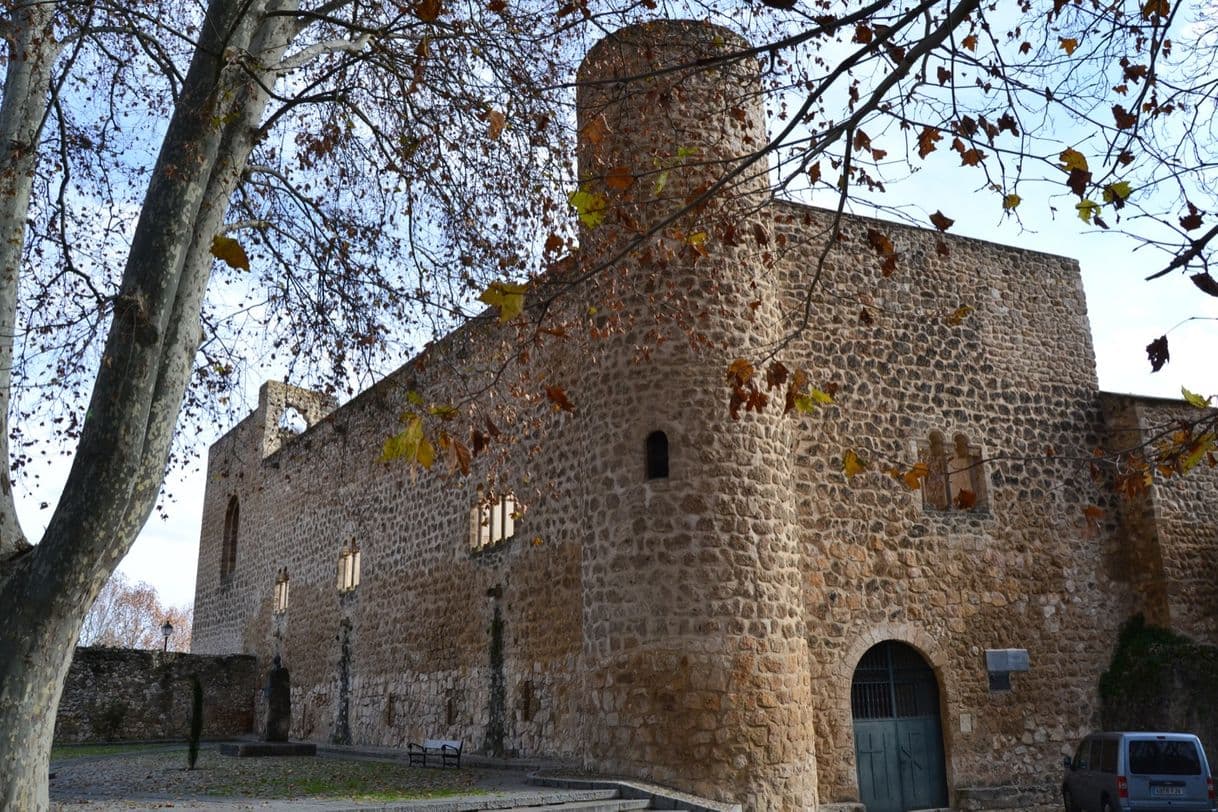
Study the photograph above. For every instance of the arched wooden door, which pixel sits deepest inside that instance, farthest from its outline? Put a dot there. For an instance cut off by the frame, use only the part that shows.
(898, 742)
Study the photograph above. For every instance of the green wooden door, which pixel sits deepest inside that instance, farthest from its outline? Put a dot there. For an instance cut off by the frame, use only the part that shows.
(897, 740)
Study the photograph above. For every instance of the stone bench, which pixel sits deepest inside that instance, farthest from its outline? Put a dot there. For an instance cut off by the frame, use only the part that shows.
(448, 751)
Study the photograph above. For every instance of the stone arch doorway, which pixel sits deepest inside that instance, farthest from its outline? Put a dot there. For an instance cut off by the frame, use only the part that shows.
(898, 741)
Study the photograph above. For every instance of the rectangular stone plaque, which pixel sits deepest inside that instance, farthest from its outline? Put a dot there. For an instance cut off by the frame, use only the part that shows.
(1006, 659)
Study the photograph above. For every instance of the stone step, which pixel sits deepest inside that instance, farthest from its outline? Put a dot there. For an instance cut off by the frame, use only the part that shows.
(583, 799)
(606, 805)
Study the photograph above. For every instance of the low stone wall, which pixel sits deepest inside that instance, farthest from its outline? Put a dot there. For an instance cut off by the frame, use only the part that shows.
(126, 695)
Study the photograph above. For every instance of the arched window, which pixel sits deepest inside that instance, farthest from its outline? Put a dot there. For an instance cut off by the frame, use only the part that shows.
(656, 451)
(955, 475)
(228, 553)
(934, 489)
(966, 485)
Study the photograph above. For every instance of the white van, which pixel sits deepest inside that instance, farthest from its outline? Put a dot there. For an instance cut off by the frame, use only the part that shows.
(1139, 772)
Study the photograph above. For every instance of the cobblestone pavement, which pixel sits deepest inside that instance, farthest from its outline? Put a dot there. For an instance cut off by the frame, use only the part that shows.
(158, 779)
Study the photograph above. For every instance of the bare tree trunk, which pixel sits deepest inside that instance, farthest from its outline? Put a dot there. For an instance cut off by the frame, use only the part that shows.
(146, 365)
(31, 56)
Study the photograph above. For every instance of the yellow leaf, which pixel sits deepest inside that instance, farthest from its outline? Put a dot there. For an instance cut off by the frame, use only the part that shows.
(851, 464)
(1068, 44)
(414, 398)
(443, 411)
(1010, 201)
(957, 316)
(230, 252)
(914, 476)
(1117, 191)
(1073, 159)
(661, 182)
(505, 296)
(697, 238)
(589, 206)
(409, 445)
(807, 404)
(1086, 209)
(1203, 445)
(425, 453)
(1194, 399)
(394, 447)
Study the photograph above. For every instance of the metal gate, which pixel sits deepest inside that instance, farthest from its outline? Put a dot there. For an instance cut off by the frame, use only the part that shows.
(897, 740)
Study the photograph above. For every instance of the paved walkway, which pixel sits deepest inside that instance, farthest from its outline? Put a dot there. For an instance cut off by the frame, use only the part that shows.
(358, 779)
(156, 779)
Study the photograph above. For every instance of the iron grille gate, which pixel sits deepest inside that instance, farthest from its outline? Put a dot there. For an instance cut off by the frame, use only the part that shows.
(894, 698)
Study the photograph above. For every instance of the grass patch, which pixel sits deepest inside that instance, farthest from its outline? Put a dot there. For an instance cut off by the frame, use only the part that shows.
(63, 752)
(334, 778)
(133, 773)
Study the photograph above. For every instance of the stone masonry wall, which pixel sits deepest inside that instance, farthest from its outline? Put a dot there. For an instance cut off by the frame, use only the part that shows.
(407, 654)
(134, 695)
(1019, 570)
(1172, 553)
(694, 634)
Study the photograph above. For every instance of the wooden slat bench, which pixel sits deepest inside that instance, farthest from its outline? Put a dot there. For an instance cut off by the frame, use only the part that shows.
(448, 751)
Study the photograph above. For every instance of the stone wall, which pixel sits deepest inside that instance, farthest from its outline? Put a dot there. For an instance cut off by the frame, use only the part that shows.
(1020, 569)
(1173, 528)
(409, 653)
(134, 695)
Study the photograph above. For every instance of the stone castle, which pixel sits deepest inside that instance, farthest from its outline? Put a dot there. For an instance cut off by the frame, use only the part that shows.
(650, 587)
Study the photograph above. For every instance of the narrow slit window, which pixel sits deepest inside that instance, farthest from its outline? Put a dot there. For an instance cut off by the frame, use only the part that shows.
(348, 567)
(228, 552)
(656, 452)
(493, 520)
(281, 591)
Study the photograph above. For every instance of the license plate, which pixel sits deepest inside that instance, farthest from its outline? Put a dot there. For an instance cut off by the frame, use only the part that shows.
(1167, 791)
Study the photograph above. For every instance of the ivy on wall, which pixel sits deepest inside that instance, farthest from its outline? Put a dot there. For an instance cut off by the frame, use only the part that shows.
(1161, 680)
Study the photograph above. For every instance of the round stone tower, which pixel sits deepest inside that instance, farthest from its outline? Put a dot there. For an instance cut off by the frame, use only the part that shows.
(694, 638)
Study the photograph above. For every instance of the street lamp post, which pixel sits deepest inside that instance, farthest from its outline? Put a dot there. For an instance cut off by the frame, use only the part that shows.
(166, 630)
